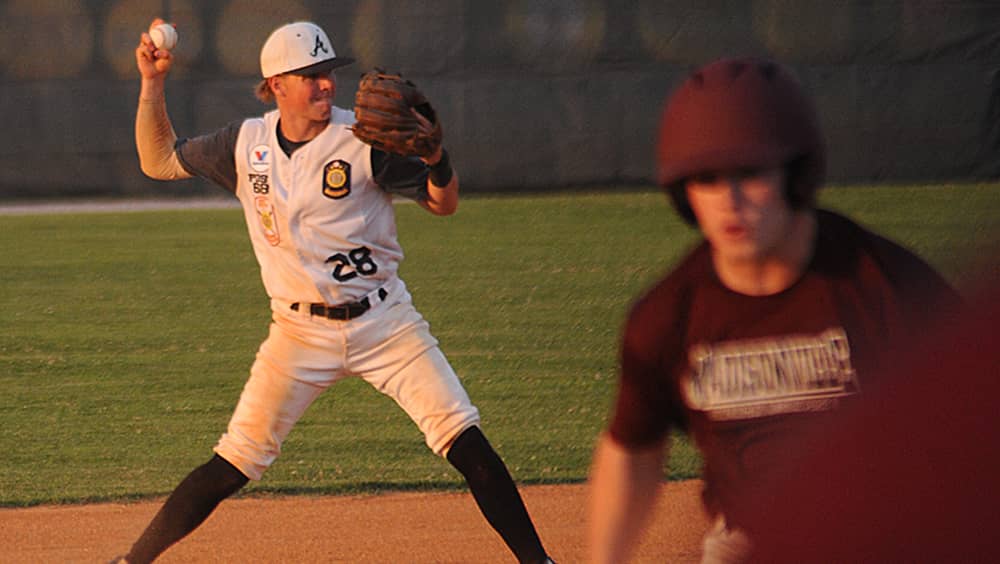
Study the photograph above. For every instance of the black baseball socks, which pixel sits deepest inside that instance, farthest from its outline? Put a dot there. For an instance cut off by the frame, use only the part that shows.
(494, 491)
(187, 507)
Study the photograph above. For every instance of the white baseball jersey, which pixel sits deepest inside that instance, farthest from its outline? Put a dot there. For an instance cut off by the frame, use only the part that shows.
(322, 229)
(313, 242)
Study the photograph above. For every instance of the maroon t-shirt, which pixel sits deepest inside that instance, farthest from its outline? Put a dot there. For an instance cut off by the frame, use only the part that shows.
(742, 374)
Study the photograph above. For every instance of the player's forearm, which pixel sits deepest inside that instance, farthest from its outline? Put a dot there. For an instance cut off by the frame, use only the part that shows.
(152, 88)
(623, 488)
(154, 135)
(442, 185)
(442, 200)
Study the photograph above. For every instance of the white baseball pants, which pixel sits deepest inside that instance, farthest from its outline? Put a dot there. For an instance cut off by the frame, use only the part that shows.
(390, 347)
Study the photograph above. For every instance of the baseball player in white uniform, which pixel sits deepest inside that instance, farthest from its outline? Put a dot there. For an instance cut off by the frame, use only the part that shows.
(318, 208)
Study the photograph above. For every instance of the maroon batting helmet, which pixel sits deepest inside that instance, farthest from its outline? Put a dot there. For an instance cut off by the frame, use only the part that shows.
(738, 114)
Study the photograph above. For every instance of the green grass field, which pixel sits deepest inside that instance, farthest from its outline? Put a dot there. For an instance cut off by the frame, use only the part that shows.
(126, 337)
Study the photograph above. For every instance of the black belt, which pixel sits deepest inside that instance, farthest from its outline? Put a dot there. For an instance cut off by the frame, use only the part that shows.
(342, 312)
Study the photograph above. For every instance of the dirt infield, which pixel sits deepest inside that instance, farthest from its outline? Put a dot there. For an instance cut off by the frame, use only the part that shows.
(403, 527)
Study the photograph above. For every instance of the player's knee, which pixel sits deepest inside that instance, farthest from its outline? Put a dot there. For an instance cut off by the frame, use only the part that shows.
(442, 428)
(228, 475)
(247, 459)
(473, 456)
(216, 479)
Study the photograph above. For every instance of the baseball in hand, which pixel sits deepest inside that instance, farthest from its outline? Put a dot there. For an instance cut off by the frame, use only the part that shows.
(164, 36)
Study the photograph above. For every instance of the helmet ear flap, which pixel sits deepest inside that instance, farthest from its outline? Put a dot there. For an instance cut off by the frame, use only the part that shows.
(803, 175)
(794, 193)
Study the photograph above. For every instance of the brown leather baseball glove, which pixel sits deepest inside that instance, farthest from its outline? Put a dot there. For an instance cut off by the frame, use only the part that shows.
(386, 109)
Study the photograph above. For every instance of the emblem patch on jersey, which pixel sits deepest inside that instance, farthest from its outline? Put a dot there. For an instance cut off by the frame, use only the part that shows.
(762, 377)
(268, 221)
(337, 179)
(260, 158)
(260, 184)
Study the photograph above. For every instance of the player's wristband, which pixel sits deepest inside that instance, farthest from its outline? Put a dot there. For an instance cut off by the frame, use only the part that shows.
(441, 171)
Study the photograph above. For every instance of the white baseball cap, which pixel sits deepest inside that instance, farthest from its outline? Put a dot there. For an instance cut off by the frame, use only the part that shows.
(299, 48)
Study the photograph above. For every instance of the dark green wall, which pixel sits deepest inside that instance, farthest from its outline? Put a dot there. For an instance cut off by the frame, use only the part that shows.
(533, 94)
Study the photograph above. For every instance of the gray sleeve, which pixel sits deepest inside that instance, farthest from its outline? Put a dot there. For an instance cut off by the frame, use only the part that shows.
(212, 155)
(402, 176)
